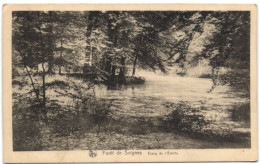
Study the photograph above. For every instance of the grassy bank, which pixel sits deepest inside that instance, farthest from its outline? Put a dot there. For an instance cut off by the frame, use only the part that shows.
(232, 124)
(78, 120)
(71, 107)
(184, 128)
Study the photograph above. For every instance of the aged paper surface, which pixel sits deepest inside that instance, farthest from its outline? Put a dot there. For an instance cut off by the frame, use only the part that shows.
(142, 126)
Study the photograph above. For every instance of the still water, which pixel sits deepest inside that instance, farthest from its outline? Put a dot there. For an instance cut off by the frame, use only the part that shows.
(147, 99)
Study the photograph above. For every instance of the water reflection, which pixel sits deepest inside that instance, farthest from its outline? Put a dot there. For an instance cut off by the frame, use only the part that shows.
(147, 98)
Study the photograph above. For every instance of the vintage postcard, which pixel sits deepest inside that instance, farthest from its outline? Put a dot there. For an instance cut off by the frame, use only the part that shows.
(129, 83)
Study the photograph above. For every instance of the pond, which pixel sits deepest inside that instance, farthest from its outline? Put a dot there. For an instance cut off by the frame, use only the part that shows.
(146, 99)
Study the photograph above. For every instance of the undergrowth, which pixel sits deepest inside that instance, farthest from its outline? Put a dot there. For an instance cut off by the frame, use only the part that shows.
(73, 109)
(205, 123)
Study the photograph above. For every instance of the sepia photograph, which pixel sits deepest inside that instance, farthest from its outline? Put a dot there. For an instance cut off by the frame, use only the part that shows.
(110, 81)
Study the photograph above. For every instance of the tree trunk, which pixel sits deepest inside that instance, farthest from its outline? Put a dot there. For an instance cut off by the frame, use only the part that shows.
(90, 26)
(113, 72)
(60, 67)
(90, 56)
(43, 77)
(60, 56)
(43, 84)
(50, 66)
(214, 78)
(134, 65)
(122, 71)
(36, 91)
(108, 65)
(103, 63)
(52, 47)
(37, 70)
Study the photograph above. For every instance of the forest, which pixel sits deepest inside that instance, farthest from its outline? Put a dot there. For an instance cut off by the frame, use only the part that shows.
(84, 80)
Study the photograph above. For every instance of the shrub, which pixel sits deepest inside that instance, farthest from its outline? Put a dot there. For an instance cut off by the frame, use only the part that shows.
(239, 80)
(100, 111)
(26, 135)
(186, 118)
(241, 113)
(208, 122)
(26, 125)
(134, 80)
(72, 109)
(79, 121)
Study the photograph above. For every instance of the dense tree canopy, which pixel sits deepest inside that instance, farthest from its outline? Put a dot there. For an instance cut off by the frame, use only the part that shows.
(113, 44)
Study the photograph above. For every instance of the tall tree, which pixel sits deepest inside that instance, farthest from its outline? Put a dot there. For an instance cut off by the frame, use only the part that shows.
(31, 40)
(230, 48)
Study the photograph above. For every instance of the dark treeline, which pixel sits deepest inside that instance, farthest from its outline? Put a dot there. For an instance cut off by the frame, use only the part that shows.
(117, 42)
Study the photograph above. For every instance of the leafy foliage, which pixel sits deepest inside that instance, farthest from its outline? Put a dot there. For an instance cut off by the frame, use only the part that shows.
(201, 122)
